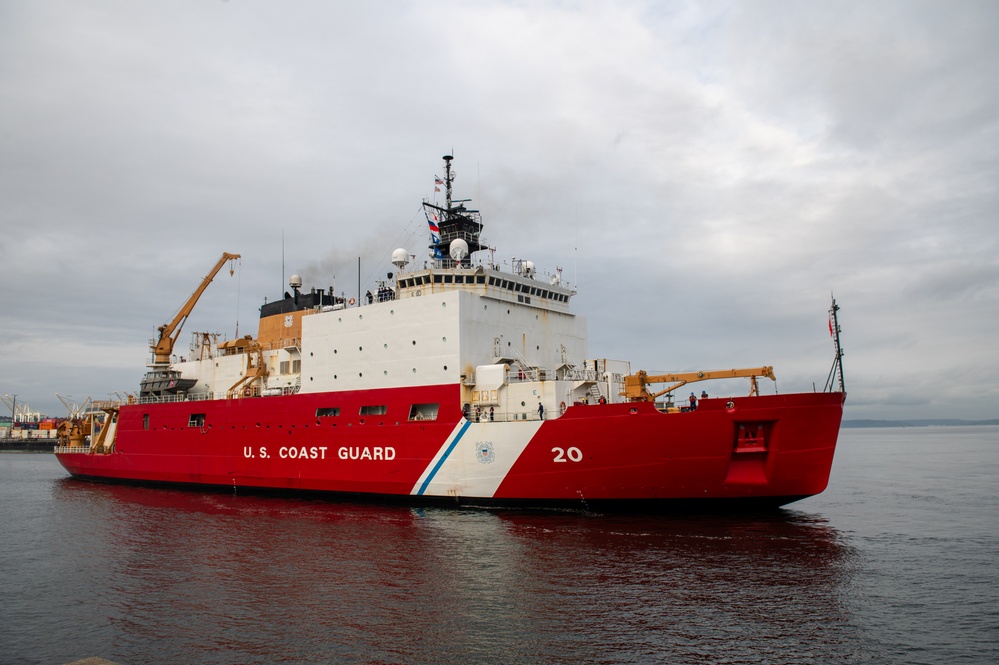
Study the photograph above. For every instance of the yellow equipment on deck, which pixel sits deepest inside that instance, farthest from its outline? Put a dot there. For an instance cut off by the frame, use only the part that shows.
(635, 385)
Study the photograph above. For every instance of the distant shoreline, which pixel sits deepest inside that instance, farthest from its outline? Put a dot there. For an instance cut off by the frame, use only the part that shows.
(938, 422)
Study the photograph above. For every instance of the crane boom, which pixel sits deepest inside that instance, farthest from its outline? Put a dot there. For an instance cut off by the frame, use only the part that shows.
(170, 331)
(635, 384)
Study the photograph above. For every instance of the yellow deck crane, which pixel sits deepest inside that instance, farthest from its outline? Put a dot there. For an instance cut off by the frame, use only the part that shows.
(636, 390)
(76, 428)
(169, 332)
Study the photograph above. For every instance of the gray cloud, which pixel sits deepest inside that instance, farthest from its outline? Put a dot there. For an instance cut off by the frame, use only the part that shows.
(707, 173)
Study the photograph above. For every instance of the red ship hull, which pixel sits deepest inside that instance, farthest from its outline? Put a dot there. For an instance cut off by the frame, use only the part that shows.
(762, 449)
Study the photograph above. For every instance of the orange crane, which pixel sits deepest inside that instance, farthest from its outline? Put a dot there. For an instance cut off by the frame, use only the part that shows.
(635, 389)
(170, 331)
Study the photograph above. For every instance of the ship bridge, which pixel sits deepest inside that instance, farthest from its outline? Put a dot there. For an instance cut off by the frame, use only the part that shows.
(519, 288)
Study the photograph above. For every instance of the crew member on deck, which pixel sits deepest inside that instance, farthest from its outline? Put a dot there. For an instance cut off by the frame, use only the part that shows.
(693, 402)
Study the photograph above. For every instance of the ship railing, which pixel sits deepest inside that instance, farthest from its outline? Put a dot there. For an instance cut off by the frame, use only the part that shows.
(71, 449)
(518, 374)
(510, 417)
(578, 374)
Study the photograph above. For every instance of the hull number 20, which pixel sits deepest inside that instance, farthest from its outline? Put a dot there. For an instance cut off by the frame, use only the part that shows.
(572, 454)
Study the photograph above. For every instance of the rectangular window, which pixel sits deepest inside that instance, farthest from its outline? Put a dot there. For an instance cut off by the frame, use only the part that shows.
(480, 279)
(438, 279)
(145, 421)
(328, 412)
(296, 365)
(423, 411)
(284, 366)
(196, 420)
(448, 279)
(374, 410)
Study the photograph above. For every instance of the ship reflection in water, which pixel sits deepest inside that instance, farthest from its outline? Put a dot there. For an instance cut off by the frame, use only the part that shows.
(193, 577)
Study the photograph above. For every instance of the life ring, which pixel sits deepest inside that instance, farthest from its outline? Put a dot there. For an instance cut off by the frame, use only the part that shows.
(351, 302)
(561, 407)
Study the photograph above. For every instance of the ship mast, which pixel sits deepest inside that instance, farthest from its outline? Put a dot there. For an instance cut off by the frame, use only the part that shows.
(448, 179)
(837, 367)
(455, 222)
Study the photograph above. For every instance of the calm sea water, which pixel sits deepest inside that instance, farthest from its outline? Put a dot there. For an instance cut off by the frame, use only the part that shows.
(894, 563)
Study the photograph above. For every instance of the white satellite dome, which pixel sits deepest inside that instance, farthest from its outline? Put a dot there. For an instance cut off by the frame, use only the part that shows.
(295, 282)
(400, 258)
(529, 269)
(459, 249)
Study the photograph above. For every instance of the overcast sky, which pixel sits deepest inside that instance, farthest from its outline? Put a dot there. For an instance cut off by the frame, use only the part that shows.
(707, 174)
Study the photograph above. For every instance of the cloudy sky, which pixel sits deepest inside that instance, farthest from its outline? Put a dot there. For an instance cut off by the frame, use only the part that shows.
(706, 174)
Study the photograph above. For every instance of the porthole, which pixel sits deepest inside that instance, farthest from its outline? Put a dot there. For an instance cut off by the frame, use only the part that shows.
(392, 311)
(385, 345)
(414, 370)
(443, 304)
(360, 348)
(444, 339)
(445, 368)
(414, 342)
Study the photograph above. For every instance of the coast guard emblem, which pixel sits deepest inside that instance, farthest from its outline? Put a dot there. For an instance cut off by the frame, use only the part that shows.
(484, 452)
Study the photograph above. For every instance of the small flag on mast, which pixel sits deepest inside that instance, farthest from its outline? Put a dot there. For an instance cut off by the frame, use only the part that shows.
(437, 180)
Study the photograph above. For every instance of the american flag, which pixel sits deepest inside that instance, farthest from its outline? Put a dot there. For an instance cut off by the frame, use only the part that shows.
(437, 180)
